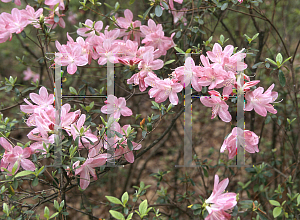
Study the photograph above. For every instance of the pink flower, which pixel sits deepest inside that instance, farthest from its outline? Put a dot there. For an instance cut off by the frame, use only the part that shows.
(217, 54)
(127, 23)
(72, 56)
(260, 102)
(212, 76)
(147, 65)
(155, 37)
(219, 202)
(164, 89)
(16, 21)
(219, 107)
(41, 140)
(5, 34)
(43, 101)
(189, 73)
(32, 16)
(116, 106)
(54, 2)
(16, 154)
(241, 1)
(17, 2)
(87, 168)
(239, 137)
(107, 51)
(30, 74)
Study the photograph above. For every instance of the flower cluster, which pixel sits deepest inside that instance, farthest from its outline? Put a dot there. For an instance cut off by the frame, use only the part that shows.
(42, 116)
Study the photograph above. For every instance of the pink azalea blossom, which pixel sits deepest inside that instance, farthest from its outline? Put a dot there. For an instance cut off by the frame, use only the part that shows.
(41, 140)
(17, 20)
(155, 37)
(16, 154)
(72, 56)
(87, 168)
(147, 65)
(212, 76)
(127, 24)
(108, 51)
(43, 101)
(217, 54)
(32, 16)
(219, 107)
(54, 2)
(219, 202)
(116, 106)
(189, 73)
(261, 102)
(5, 34)
(17, 2)
(30, 74)
(164, 89)
(239, 137)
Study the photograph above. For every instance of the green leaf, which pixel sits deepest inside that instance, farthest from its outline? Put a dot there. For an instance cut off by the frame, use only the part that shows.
(282, 79)
(178, 34)
(143, 207)
(144, 133)
(114, 200)
(286, 60)
(147, 12)
(274, 202)
(115, 214)
(279, 58)
(129, 144)
(179, 50)
(23, 34)
(125, 198)
(256, 65)
(222, 38)
(56, 205)
(165, 5)
(271, 61)
(5, 209)
(277, 211)
(54, 215)
(131, 2)
(262, 217)
(298, 200)
(129, 217)
(15, 167)
(158, 11)
(56, 18)
(46, 212)
(169, 61)
(155, 104)
(255, 36)
(224, 6)
(110, 7)
(117, 6)
(24, 173)
(72, 90)
(35, 182)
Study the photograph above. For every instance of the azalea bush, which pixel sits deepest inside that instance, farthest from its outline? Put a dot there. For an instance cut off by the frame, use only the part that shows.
(104, 95)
